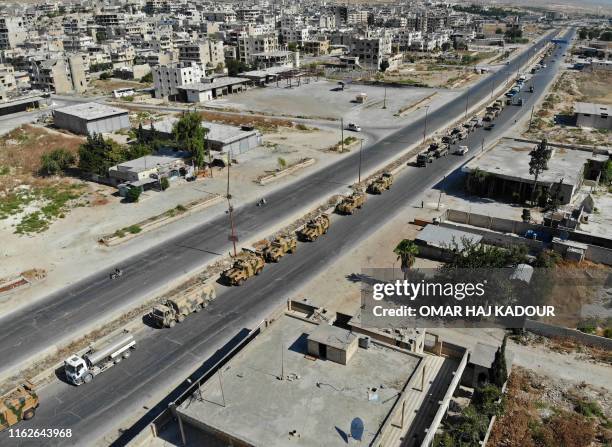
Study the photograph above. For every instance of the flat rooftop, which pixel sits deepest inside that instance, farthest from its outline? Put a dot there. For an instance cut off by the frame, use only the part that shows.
(217, 83)
(216, 132)
(510, 159)
(92, 111)
(590, 108)
(318, 398)
(436, 236)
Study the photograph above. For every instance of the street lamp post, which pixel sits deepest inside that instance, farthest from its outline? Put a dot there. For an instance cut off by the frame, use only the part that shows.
(425, 126)
(230, 208)
(360, 150)
(467, 101)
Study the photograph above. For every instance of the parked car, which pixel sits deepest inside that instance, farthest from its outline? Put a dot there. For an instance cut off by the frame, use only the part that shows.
(354, 127)
(489, 126)
(461, 150)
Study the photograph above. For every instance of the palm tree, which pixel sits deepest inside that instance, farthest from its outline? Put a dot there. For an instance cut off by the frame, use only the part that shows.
(407, 252)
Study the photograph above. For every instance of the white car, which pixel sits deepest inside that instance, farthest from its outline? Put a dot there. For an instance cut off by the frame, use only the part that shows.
(461, 150)
(354, 127)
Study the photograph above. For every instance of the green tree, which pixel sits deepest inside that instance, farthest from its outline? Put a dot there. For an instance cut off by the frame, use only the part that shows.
(485, 400)
(137, 150)
(105, 76)
(56, 162)
(538, 163)
(164, 183)
(191, 136)
(282, 163)
(606, 174)
(384, 65)
(583, 33)
(97, 154)
(147, 79)
(234, 67)
(499, 372)
(406, 252)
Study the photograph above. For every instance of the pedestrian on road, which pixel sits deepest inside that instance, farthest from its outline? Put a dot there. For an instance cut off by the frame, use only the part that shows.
(422, 204)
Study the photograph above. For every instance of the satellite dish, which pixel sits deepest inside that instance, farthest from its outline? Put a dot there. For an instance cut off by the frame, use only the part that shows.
(357, 429)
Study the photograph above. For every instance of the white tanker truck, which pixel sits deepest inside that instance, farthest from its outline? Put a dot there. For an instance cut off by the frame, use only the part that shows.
(98, 358)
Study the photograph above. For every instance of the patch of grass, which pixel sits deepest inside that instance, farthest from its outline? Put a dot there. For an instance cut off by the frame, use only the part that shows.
(53, 205)
(134, 229)
(588, 408)
(181, 208)
(119, 233)
(4, 170)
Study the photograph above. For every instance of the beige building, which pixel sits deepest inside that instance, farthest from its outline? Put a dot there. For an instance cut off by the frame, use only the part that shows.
(208, 53)
(12, 32)
(250, 45)
(65, 75)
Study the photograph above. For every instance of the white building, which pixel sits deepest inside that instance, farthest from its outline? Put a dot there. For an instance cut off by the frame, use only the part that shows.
(207, 53)
(593, 116)
(167, 78)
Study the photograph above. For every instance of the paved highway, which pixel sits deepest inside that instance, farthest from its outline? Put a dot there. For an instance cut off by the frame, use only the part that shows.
(164, 357)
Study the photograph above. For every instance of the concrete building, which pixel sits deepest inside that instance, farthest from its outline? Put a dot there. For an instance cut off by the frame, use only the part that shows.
(65, 75)
(505, 171)
(249, 45)
(593, 116)
(168, 78)
(219, 137)
(438, 243)
(207, 53)
(212, 88)
(370, 50)
(150, 168)
(316, 47)
(307, 397)
(12, 32)
(90, 117)
(279, 58)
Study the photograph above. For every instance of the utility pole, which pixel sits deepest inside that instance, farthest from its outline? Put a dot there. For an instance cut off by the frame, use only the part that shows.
(531, 117)
(385, 99)
(491, 86)
(341, 134)
(467, 101)
(360, 149)
(482, 145)
(230, 209)
(425, 126)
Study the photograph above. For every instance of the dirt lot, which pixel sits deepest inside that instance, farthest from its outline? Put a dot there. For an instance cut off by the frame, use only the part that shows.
(541, 411)
(107, 86)
(554, 119)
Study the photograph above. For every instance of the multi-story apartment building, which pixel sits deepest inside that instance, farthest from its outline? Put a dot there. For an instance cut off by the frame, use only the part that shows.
(249, 45)
(123, 56)
(77, 42)
(248, 15)
(110, 18)
(371, 49)
(12, 32)
(294, 35)
(7, 79)
(207, 53)
(62, 75)
(167, 78)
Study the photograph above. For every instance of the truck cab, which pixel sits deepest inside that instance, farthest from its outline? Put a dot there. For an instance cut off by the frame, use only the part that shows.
(163, 316)
(76, 370)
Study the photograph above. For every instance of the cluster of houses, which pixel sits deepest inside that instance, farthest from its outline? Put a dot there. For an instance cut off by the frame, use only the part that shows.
(60, 47)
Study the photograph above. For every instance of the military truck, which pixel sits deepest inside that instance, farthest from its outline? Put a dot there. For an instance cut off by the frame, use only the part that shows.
(273, 250)
(315, 228)
(424, 157)
(247, 264)
(442, 151)
(174, 310)
(351, 203)
(449, 139)
(17, 405)
(381, 184)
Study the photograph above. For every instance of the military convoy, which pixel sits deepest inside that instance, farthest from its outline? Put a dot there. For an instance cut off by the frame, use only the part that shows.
(246, 264)
(350, 203)
(314, 228)
(175, 309)
(273, 251)
(424, 158)
(17, 405)
(381, 184)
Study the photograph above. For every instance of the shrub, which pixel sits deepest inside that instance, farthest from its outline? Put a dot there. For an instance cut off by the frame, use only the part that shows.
(133, 195)
(164, 183)
(56, 161)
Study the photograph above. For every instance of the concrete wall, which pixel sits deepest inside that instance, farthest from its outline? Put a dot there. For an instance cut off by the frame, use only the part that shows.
(594, 121)
(548, 330)
(495, 238)
(599, 249)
